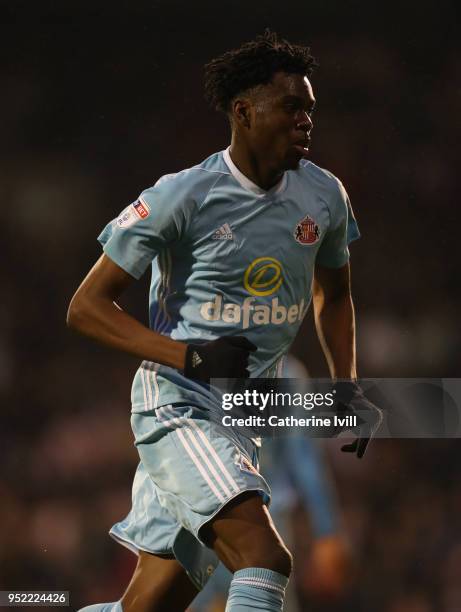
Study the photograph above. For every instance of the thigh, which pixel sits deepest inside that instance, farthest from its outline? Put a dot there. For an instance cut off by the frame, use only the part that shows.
(158, 585)
(243, 535)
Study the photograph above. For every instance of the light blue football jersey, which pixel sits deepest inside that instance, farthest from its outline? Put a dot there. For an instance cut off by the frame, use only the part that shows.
(229, 259)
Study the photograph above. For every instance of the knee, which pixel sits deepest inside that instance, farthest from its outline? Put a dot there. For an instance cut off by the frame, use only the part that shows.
(267, 553)
(243, 535)
(279, 559)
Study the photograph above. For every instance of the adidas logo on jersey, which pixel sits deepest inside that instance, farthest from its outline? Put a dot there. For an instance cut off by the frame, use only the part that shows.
(196, 359)
(223, 233)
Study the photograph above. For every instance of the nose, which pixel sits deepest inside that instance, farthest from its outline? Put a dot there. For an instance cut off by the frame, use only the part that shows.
(304, 122)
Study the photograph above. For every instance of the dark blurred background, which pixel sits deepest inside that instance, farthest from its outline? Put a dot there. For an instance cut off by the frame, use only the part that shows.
(97, 102)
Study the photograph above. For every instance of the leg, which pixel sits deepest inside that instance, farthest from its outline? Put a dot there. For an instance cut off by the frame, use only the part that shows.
(158, 585)
(243, 535)
(245, 539)
(202, 477)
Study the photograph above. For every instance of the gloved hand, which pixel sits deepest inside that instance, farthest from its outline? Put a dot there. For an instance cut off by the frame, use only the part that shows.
(225, 357)
(350, 401)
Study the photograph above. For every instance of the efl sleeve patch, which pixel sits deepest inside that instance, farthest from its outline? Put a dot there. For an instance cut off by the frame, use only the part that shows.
(133, 213)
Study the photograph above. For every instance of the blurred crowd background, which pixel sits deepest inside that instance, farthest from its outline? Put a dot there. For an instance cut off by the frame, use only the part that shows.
(97, 102)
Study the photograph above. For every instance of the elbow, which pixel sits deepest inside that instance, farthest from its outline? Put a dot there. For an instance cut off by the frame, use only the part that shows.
(75, 313)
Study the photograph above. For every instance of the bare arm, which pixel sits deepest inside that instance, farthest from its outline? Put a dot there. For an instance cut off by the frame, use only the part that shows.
(335, 320)
(94, 313)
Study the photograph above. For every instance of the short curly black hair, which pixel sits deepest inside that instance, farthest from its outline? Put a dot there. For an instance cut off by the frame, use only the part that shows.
(252, 64)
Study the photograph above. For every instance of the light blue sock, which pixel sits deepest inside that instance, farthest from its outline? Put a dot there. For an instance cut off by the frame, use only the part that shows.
(256, 588)
(115, 606)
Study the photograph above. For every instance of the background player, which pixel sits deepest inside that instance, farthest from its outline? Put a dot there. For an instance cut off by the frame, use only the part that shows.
(209, 287)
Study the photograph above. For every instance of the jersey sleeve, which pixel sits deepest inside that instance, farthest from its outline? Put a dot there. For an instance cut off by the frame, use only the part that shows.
(334, 251)
(144, 228)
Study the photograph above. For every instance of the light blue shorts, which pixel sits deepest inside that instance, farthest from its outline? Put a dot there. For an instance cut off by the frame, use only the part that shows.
(190, 468)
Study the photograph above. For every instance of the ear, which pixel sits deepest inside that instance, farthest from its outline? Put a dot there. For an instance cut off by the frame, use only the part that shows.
(241, 112)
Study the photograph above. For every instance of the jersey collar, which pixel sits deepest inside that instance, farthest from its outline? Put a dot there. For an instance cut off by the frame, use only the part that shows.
(249, 185)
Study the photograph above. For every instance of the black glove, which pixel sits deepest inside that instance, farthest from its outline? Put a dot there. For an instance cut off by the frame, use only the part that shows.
(350, 401)
(225, 357)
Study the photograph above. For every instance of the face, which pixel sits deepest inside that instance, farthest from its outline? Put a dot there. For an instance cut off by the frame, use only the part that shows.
(278, 121)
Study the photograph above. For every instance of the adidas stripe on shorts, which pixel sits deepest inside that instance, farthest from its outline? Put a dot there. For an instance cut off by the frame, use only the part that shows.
(190, 468)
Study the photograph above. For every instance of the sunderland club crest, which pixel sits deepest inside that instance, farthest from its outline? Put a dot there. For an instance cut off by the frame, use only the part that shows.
(307, 231)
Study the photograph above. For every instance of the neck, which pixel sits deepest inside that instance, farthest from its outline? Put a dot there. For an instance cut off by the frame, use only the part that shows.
(257, 170)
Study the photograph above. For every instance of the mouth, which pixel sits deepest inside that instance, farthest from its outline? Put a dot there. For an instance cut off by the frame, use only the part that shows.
(302, 146)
